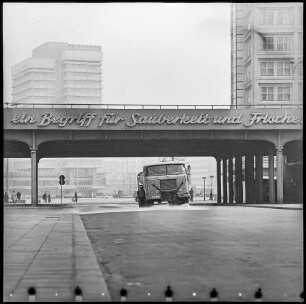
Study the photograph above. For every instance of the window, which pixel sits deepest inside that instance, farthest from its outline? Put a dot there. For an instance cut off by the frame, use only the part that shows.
(267, 43)
(266, 18)
(278, 92)
(283, 93)
(301, 69)
(166, 169)
(266, 68)
(283, 43)
(279, 43)
(300, 36)
(300, 92)
(267, 93)
(301, 15)
(283, 18)
(283, 68)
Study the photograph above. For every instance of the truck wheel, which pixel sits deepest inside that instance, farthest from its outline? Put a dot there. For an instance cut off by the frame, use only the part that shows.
(141, 202)
(141, 198)
(149, 202)
(184, 201)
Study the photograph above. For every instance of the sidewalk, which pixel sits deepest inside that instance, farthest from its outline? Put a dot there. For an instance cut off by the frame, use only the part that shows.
(198, 202)
(48, 248)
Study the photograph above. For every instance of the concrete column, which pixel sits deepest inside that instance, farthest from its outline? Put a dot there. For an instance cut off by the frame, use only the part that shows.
(252, 180)
(34, 181)
(238, 179)
(248, 177)
(218, 180)
(271, 178)
(224, 180)
(259, 177)
(37, 162)
(280, 176)
(230, 180)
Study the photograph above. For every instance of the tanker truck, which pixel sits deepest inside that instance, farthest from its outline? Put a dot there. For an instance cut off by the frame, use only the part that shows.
(164, 181)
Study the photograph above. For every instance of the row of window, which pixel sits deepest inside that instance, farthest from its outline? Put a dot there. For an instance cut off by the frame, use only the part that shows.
(82, 84)
(81, 68)
(79, 90)
(30, 90)
(35, 84)
(279, 68)
(275, 92)
(82, 94)
(43, 73)
(26, 69)
(272, 93)
(34, 76)
(82, 99)
(35, 99)
(273, 68)
(38, 95)
(81, 76)
(280, 17)
(274, 43)
(83, 62)
(83, 47)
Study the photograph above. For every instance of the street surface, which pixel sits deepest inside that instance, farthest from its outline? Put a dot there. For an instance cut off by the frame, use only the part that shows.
(195, 248)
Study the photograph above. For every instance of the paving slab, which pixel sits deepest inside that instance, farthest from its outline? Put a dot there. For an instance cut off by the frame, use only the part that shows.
(49, 250)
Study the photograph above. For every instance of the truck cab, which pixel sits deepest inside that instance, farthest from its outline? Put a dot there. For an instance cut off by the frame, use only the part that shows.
(164, 181)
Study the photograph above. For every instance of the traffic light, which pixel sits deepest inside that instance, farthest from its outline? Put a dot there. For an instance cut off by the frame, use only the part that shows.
(62, 180)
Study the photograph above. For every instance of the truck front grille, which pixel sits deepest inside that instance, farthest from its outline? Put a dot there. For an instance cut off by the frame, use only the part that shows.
(168, 184)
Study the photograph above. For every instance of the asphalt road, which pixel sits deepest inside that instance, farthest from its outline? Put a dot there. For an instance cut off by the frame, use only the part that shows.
(195, 248)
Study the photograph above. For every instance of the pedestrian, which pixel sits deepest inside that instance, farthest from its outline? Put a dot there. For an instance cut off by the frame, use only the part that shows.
(191, 194)
(18, 196)
(49, 198)
(44, 197)
(75, 199)
(14, 197)
(6, 198)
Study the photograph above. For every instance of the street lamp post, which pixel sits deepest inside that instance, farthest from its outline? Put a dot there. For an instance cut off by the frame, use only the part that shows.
(211, 185)
(7, 175)
(204, 177)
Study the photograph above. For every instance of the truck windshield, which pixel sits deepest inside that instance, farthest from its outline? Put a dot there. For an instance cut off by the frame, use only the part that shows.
(165, 170)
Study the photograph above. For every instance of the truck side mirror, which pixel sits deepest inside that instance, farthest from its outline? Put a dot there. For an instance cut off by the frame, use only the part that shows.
(188, 170)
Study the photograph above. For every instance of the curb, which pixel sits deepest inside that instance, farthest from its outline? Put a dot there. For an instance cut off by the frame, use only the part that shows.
(38, 206)
(249, 205)
(276, 207)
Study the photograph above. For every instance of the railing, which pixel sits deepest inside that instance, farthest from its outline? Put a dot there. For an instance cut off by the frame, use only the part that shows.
(150, 106)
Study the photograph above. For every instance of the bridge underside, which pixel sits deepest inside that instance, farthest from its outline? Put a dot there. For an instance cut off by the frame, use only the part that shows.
(135, 148)
(231, 149)
(145, 148)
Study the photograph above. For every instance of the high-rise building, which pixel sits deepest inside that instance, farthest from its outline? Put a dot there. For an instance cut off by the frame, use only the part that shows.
(267, 53)
(59, 72)
(267, 69)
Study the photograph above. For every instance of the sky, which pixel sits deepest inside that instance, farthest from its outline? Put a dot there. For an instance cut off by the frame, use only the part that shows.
(153, 53)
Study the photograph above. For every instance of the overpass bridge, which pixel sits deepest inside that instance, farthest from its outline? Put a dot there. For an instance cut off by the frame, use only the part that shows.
(230, 134)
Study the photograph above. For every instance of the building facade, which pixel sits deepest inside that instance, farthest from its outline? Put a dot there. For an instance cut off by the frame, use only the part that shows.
(94, 177)
(267, 69)
(59, 72)
(267, 53)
